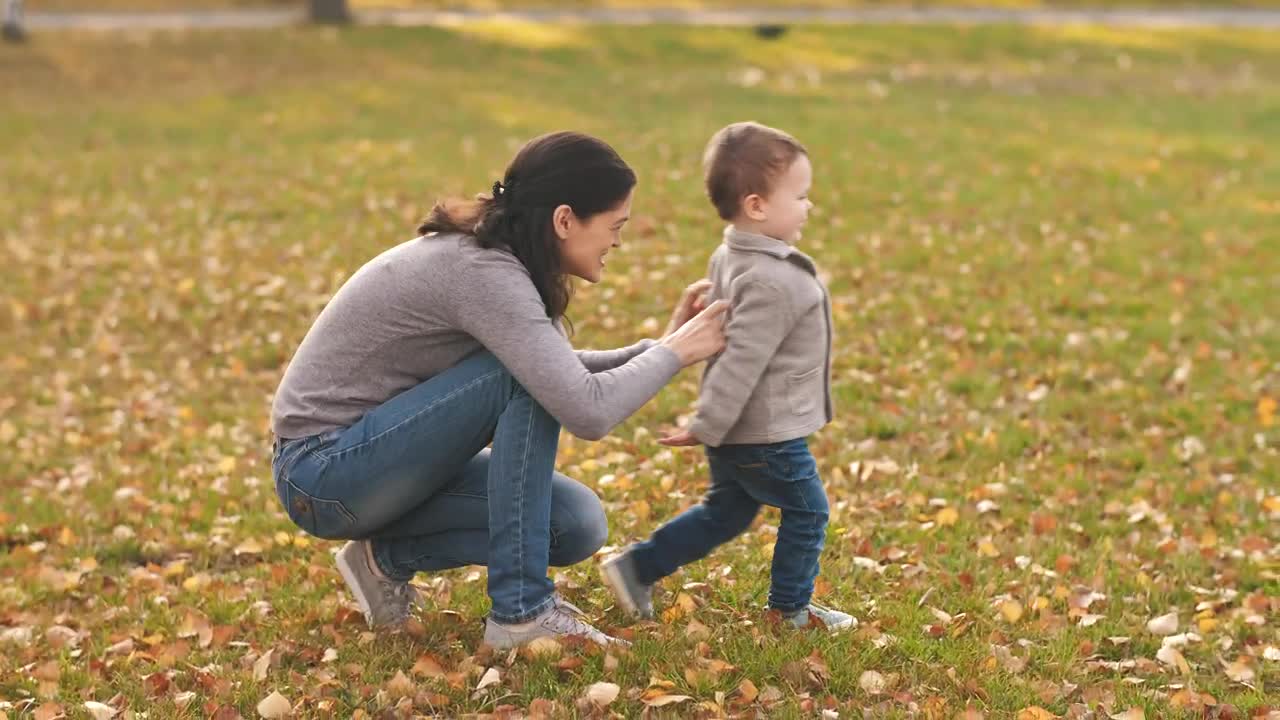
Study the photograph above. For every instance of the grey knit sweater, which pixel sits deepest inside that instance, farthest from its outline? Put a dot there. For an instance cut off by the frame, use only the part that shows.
(423, 306)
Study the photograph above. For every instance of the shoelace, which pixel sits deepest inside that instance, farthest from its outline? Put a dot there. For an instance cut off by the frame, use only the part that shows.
(562, 622)
(400, 596)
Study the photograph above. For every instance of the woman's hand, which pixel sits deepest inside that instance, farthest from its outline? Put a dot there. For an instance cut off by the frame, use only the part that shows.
(701, 337)
(692, 302)
(683, 438)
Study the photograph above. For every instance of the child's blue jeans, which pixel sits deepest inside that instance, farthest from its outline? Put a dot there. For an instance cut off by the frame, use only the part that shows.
(744, 477)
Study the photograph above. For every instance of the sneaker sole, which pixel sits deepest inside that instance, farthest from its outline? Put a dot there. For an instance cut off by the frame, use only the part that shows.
(349, 576)
(613, 578)
(842, 626)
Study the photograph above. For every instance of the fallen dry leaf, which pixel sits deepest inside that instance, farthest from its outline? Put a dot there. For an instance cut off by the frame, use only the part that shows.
(262, 666)
(602, 694)
(1163, 625)
(1171, 656)
(48, 711)
(872, 682)
(491, 677)
(947, 516)
(274, 706)
(428, 665)
(544, 647)
(1239, 671)
(662, 698)
(100, 711)
(1011, 611)
(400, 686)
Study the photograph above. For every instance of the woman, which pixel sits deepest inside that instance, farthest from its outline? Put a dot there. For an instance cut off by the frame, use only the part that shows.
(452, 341)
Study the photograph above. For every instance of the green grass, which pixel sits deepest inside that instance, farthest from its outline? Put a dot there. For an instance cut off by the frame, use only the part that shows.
(1028, 233)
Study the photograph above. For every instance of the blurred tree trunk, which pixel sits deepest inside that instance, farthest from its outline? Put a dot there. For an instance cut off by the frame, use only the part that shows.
(13, 31)
(330, 11)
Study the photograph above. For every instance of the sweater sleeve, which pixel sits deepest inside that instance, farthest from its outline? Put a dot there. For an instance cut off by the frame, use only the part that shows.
(759, 320)
(493, 300)
(600, 360)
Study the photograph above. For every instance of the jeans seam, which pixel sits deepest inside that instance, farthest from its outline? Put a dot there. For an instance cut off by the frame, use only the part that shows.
(414, 416)
(460, 494)
(524, 467)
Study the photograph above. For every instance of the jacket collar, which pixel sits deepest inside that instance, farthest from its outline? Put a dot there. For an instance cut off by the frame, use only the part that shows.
(753, 242)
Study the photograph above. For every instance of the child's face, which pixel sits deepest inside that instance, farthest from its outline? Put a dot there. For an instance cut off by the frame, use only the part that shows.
(787, 206)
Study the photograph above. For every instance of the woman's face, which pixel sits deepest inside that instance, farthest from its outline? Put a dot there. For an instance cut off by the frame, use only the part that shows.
(584, 243)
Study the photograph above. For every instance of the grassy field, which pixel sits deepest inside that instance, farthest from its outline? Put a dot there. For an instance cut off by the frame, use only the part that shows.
(97, 5)
(1055, 265)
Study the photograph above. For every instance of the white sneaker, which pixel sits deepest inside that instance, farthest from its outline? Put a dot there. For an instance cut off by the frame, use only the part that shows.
(832, 620)
(561, 619)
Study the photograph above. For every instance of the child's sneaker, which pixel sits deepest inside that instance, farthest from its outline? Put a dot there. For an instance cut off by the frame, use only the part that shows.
(832, 620)
(559, 620)
(619, 573)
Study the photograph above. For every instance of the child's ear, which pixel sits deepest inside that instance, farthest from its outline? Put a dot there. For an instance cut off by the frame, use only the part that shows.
(753, 207)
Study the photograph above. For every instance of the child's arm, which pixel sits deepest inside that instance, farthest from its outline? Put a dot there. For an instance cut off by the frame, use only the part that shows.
(760, 319)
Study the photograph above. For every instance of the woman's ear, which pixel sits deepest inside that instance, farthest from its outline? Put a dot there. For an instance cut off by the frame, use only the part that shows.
(753, 206)
(562, 219)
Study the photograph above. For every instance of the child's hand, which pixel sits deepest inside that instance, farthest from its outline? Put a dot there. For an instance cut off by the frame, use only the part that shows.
(692, 302)
(684, 438)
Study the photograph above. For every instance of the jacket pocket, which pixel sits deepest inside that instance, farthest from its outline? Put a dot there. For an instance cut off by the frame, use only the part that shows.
(804, 390)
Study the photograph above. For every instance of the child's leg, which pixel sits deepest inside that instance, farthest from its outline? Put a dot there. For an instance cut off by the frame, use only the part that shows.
(789, 481)
(723, 514)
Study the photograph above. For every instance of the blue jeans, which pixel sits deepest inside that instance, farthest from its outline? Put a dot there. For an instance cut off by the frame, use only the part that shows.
(414, 477)
(744, 477)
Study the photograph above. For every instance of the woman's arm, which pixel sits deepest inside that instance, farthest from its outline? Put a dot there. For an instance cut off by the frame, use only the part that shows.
(495, 302)
(600, 360)
(692, 301)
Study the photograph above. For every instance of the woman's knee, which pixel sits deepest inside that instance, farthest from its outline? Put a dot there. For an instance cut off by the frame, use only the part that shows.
(579, 526)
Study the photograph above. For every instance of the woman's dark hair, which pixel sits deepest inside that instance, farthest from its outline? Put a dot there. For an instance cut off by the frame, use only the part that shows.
(562, 168)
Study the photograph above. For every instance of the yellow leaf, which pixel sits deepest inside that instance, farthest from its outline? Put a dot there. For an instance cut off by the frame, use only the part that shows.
(1266, 411)
(248, 547)
(1035, 712)
(196, 582)
(1011, 610)
(986, 548)
(748, 691)
(226, 465)
(663, 699)
(544, 647)
(947, 517)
